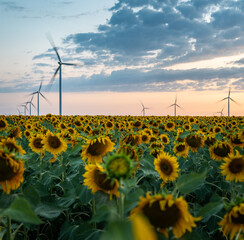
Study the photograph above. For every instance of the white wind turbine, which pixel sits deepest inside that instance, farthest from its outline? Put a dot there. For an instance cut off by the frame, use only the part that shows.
(221, 112)
(30, 103)
(38, 97)
(60, 63)
(25, 107)
(229, 98)
(175, 105)
(143, 109)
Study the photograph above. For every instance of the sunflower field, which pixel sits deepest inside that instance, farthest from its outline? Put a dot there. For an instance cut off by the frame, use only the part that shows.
(121, 177)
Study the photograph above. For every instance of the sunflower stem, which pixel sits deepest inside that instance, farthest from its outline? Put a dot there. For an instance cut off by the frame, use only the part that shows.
(122, 198)
(94, 211)
(9, 234)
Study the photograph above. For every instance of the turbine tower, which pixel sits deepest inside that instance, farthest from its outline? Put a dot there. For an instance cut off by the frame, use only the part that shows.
(38, 97)
(143, 109)
(25, 107)
(175, 105)
(229, 98)
(60, 63)
(30, 103)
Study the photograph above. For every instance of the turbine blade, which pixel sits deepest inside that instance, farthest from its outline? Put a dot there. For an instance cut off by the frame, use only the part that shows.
(235, 101)
(52, 79)
(40, 86)
(179, 106)
(171, 105)
(44, 97)
(33, 105)
(229, 92)
(222, 99)
(50, 39)
(70, 64)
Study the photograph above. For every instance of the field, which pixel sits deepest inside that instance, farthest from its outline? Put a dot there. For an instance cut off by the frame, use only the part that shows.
(121, 177)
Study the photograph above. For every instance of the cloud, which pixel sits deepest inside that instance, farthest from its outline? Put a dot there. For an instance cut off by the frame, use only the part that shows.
(12, 6)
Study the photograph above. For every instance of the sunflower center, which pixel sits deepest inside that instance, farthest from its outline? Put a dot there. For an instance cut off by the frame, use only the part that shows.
(7, 171)
(170, 125)
(165, 140)
(144, 138)
(193, 141)
(54, 142)
(159, 218)
(236, 165)
(37, 143)
(222, 151)
(236, 140)
(166, 167)
(102, 181)
(2, 124)
(180, 148)
(11, 147)
(96, 148)
(239, 219)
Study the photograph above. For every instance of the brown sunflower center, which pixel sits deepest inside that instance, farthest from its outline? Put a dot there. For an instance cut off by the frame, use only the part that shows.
(164, 139)
(7, 171)
(37, 143)
(102, 181)
(54, 141)
(180, 148)
(222, 151)
(239, 219)
(193, 141)
(11, 147)
(162, 219)
(166, 167)
(236, 140)
(96, 148)
(144, 138)
(170, 125)
(236, 165)
(2, 124)
(109, 124)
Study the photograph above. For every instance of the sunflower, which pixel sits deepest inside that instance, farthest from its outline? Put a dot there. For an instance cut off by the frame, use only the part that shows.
(11, 171)
(210, 139)
(169, 126)
(164, 138)
(96, 148)
(15, 133)
(145, 137)
(27, 134)
(233, 221)
(3, 124)
(11, 145)
(236, 140)
(119, 166)
(181, 149)
(167, 166)
(36, 144)
(164, 213)
(156, 144)
(132, 140)
(187, 126)
(131, 152)
(220, 150)
(109, 125)
(194, 141)
(233, 167)
(97, 179)
(54, 143)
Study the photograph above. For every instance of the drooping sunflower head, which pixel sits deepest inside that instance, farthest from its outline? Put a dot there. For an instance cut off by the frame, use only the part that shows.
(233, 167)
(181, 149)
(3, 124)
(15, 133)
(36, 144)
(132, 139)
(220, 150)
(233, 221)
(96, 148)
(119, 166)
(12, 146)
(194, 141)
(54, 143)
(166, 166)
(11, 171)
(164, 213)
(97, 179)
(156, 144)
(210, 139)
(236, 140)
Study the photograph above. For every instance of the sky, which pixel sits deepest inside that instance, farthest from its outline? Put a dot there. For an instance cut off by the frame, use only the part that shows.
(128, 52)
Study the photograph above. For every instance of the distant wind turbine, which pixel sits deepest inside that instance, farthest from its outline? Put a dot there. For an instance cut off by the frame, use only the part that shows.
(143, 109)
(19, 111)
(221, 112)
(25, 107)
(60, 72)
(38, 95)
(175, 105)
(30, 103)
(229, 98)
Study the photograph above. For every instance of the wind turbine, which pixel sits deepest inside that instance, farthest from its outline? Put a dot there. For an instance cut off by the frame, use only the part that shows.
(19, 111)
(221, 112)
(30, 103)
(229, 98)
(25, 107)
(143, 109)
(175, 105)
(38, 96)
(60, 63)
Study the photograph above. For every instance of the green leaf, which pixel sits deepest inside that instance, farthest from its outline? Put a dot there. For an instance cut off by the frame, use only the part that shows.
(210, 209)
(32, 196)
(48, 210)
(21, 211)
(101, 214)
(189, 182)
(84, 194)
